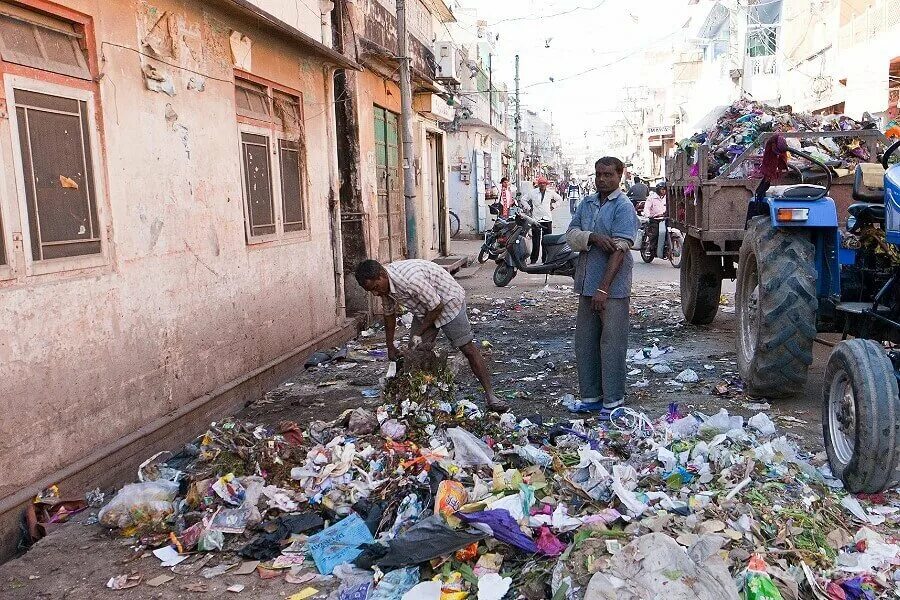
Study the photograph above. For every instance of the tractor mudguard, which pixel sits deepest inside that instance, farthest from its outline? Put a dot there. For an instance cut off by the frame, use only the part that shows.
(818, 213)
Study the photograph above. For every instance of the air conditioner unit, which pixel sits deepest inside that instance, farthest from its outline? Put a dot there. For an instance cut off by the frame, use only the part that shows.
(447, 65)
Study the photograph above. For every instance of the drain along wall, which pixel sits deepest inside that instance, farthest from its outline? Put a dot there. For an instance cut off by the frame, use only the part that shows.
(181, 304)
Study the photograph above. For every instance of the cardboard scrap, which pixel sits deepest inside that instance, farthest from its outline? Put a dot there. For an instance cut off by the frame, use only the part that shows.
(305, 593)
(158, 581)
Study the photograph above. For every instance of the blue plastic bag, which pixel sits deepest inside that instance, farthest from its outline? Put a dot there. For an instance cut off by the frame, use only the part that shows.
(339, 543)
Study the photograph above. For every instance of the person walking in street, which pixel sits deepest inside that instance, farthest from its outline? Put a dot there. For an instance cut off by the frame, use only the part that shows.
(507, 197)
(542, 200)
(574, 194)
(436, 301)
(603, 230)
(638, 191)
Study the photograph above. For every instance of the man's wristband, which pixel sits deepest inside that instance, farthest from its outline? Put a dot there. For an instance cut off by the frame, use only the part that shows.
(604, 292)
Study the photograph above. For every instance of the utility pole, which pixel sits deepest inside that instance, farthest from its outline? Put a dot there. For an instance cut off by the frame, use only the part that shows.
(409, 184)
(518, 127)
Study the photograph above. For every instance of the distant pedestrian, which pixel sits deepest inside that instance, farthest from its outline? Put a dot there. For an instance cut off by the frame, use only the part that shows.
(638, 191)
(436, 301)
(573, 193)
(542, 200)
(603, 230)
(507, 196)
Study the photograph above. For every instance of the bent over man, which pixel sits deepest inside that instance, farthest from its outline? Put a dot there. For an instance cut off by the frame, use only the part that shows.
(436, 301)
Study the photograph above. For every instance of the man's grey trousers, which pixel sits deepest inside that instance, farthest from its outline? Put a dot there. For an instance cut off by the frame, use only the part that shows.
(601, 345)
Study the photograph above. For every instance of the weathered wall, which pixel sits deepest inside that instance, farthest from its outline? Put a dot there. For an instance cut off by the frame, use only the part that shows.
(182, 304)
(305, 15)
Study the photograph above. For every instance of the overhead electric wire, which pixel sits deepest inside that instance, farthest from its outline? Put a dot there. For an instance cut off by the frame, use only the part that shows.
(550, 16)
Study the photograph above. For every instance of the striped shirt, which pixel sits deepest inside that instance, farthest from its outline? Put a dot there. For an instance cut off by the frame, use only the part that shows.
(420, 286)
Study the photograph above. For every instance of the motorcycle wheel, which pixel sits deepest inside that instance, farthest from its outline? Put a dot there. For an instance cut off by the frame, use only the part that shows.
(646, 251)
(483, 255)
(503, 274)
(675, 251)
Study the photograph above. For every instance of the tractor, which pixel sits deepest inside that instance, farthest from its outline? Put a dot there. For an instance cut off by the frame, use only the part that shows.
(799, 274)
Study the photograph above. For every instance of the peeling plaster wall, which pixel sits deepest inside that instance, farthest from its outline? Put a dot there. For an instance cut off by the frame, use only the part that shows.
(184, 304)
(305, 15)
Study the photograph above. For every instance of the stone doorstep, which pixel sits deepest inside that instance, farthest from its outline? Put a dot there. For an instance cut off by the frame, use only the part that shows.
(452, 263)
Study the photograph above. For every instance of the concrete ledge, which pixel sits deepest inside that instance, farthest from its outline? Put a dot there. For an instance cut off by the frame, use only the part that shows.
(451, 263)
(117, 463)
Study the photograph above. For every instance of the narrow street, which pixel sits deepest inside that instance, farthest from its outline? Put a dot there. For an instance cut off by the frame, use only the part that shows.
(526, 330)
(230, 231)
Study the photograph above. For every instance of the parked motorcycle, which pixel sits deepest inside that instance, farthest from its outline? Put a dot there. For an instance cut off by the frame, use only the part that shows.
(672, 249)
(559, 259)
(495, 238)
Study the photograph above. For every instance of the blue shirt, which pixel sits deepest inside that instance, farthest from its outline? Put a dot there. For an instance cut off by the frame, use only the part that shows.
(614, 217)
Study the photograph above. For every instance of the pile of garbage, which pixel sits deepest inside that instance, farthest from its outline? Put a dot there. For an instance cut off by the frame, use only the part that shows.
(742, 123)
(428, 498)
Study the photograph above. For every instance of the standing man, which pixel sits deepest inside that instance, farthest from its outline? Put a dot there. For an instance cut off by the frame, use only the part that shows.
(574, 194)
(436, 301)
(604, 228)
(542, 201)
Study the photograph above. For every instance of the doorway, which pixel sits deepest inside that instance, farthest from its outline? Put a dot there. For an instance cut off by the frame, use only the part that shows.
(439, 209)
(391, 220)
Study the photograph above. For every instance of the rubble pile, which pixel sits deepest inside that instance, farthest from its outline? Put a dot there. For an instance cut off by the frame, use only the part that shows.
(744, 121)
(428, 497)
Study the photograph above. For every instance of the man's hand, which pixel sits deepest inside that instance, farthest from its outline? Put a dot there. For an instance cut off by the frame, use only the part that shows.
(598, 302)
(604, 242)
(393, 352)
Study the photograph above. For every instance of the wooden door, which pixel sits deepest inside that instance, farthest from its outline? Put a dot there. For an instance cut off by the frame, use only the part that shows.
(391, 225)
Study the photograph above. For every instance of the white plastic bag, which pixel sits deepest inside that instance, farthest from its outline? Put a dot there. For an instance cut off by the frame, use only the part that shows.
(721, 422)
(762, 423)
(151, 498)
(468, 450)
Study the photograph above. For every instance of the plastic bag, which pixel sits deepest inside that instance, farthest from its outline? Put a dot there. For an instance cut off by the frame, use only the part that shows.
(138, 502)
(468, 450)
(762, 423)
(757, 584)
(534, 455)
(721, 422)
(450, 497)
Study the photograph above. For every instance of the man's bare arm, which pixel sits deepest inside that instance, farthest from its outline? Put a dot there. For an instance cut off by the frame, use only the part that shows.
(390, 326)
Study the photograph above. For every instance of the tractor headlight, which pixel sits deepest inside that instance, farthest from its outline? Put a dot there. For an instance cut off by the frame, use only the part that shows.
(792, 214)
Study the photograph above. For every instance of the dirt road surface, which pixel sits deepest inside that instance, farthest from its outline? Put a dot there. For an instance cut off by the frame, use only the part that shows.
(527, 329)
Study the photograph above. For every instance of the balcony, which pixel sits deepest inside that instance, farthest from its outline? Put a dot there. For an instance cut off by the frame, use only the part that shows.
(870, 24)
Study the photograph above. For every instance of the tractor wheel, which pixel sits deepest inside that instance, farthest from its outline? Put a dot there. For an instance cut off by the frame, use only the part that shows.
(861, 417)
(701, 283)
(776, 309)
(503, 274)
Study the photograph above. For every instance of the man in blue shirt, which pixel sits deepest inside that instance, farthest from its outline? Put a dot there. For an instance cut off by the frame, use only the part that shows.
(604, 228)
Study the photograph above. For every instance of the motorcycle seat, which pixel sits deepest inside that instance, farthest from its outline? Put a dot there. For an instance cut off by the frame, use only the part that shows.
(867, 212)
(868, 183)
(553, 240)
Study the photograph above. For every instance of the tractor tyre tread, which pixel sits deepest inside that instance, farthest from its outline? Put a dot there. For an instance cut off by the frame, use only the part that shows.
(875, 463)
(787, 309)
(701, 283)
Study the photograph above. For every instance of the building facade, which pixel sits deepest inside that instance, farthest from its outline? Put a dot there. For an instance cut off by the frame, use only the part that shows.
(167, 224)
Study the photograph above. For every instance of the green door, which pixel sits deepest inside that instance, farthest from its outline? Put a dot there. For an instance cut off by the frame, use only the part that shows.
(391, 230)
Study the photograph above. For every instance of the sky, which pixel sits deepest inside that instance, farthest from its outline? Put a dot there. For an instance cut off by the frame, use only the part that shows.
(592, 52)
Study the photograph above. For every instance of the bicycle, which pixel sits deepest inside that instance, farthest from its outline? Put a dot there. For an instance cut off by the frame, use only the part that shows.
(454, 224)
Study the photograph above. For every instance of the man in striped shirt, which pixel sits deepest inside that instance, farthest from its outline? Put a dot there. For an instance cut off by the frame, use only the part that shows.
(436, 301)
